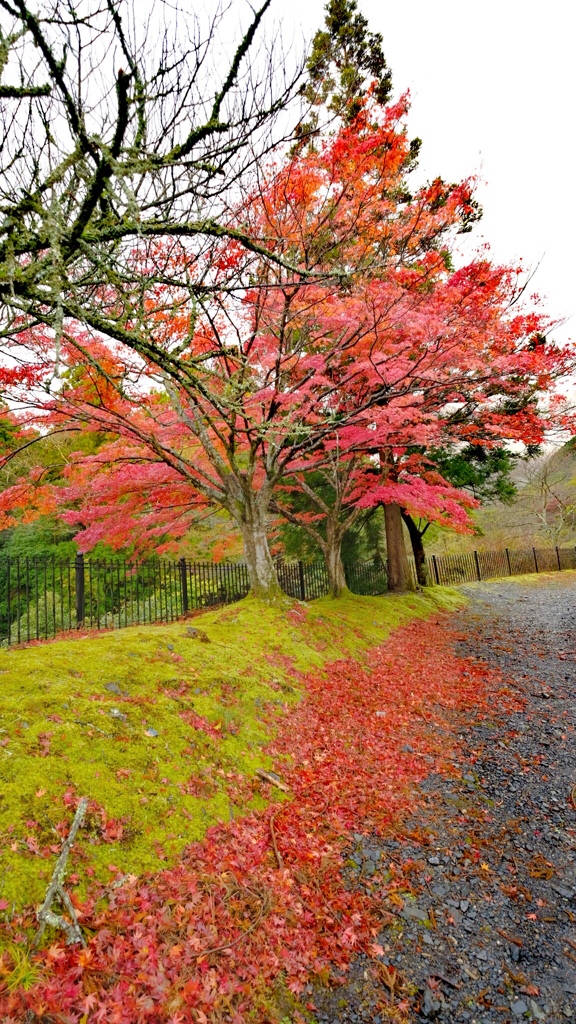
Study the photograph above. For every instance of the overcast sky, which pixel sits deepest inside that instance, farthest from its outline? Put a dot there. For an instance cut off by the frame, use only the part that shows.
(493, 90)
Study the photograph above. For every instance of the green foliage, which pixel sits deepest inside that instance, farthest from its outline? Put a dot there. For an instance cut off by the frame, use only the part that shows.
(363, 541)
(50, 453)
(24, 973)
(297, 544)
(344, 55)
(484, 472)
(45, 537)
(39, 542)
(8, 432)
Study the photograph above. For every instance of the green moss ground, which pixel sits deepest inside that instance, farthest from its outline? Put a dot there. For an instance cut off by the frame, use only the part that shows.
(564, 578)
(213, 706)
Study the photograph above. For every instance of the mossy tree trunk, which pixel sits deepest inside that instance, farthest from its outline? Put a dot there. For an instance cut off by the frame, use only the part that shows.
(332, 551)
(399, 576)
(253, 523)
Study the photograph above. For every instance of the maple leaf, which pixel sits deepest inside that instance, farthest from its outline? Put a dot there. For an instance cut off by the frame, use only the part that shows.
(376, 950)
(296, 985)
(85, 958)
(530, 990)
(55, 953)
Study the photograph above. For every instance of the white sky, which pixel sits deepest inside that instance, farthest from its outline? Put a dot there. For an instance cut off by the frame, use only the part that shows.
(493, 88)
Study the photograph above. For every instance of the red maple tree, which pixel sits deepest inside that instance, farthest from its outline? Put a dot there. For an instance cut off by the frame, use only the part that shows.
(462, 364)
(247, 387)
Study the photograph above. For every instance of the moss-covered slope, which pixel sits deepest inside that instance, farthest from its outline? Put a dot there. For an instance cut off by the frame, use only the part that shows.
(162, 728)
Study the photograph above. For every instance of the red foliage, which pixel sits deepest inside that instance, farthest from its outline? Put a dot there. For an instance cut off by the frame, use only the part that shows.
(460, 362)
(365, 341)
(203, 940)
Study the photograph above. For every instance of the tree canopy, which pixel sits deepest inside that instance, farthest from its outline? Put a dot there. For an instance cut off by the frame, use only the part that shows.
(307, 335)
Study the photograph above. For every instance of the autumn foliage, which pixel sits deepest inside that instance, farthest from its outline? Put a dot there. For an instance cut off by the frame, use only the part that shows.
(301, 358)
(266, 898)
(356, 341)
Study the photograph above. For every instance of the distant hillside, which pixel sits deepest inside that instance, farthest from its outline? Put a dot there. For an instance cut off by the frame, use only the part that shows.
(543, 512)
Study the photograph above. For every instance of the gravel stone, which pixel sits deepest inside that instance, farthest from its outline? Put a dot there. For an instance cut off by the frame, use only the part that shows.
(507, 806)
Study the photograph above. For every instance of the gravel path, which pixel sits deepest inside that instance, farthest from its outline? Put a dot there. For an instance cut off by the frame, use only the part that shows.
(487, 938)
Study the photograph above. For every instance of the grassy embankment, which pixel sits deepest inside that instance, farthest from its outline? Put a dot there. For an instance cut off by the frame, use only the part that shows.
(158, 728)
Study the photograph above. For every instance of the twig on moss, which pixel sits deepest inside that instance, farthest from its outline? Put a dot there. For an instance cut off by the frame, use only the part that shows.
(56, 890)
(273, 779)
(120, 882)
(91, 725)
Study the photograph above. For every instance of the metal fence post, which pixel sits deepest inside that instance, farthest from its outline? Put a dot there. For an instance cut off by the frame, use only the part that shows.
(508, 560)
(558, 558)
(9, 609)
(535, 558)
(477, 560)
(302, 581)
(80, 590)
(184, 584)
(435, 565)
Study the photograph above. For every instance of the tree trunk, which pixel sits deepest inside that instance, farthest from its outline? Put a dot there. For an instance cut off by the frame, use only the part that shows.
(417, 549)
(399, 575)
(253, 524)
(336, 577)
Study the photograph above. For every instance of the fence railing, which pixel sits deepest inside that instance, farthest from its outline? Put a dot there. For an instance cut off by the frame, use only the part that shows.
(40, 597)
(485, 565)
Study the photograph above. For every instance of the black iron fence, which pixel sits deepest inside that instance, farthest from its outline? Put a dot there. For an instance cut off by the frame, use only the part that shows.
(485, 565)
(40, 597)
(309, 580)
